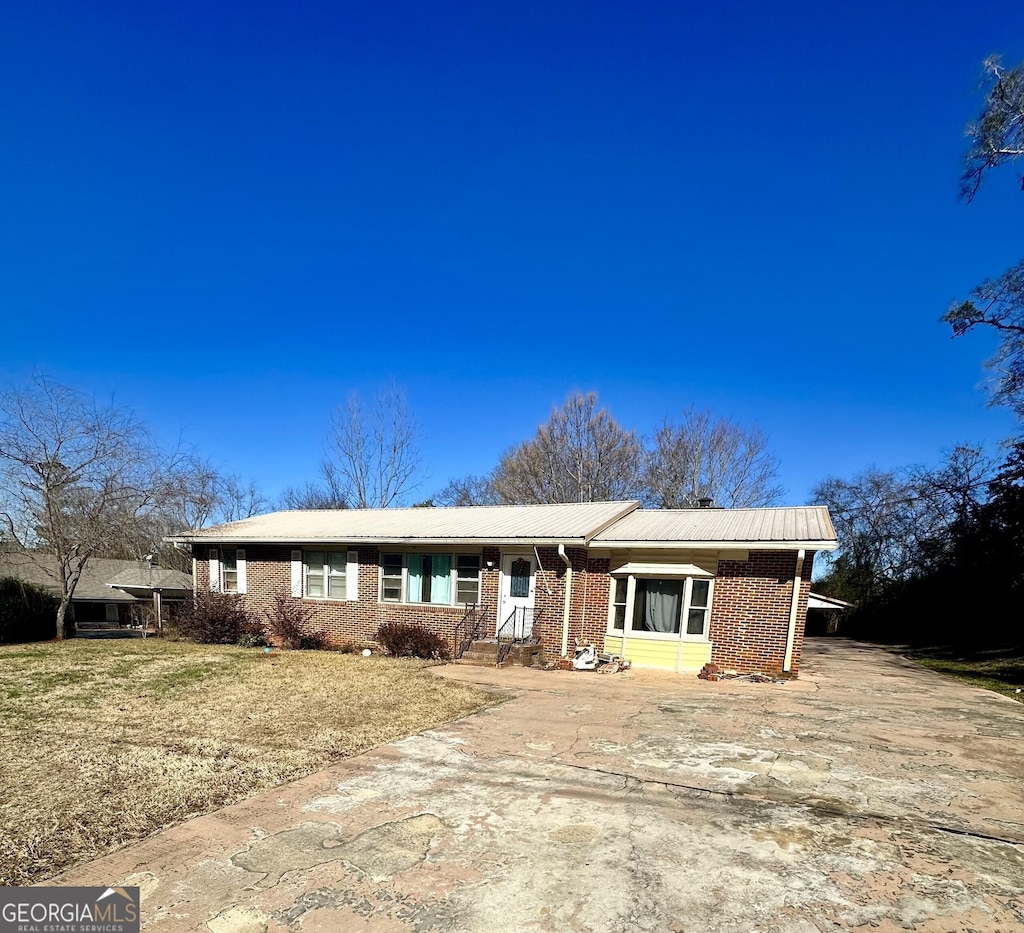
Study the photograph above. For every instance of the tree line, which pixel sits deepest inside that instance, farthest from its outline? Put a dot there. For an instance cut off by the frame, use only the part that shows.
(581, 454)
(936, 555)
(80, 479)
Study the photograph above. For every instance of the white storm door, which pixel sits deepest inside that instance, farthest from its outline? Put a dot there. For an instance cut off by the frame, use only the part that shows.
(518, 584)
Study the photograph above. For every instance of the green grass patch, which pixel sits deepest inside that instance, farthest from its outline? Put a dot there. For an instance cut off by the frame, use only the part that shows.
(999, 669)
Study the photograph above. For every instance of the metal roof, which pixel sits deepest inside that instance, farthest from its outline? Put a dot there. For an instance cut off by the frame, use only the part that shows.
(575, 522)
(607, 524)
(792, 527)
(817, 601)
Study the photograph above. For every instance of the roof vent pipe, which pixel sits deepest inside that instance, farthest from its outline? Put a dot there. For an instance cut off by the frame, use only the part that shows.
(705, 502)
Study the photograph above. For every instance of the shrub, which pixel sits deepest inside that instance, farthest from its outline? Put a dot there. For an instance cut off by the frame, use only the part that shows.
(412, 641)
(290, 622)
(215, 619)
(27, 612)
(312, 641)
(252, 640)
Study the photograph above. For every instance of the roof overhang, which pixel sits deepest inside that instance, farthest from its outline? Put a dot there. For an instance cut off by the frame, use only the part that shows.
(659, 570)
(825, 603)
(408, 540)
(137, 592)
(826, 545)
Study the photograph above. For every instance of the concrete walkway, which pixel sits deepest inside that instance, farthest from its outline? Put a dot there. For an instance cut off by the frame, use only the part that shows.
(870, 793)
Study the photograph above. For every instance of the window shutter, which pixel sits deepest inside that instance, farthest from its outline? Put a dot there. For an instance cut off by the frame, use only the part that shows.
(240, 564)
(296, 573)
(352, 576)
(214, 571)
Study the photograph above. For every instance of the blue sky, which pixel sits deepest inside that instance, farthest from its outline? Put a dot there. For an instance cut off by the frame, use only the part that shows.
(231, 216)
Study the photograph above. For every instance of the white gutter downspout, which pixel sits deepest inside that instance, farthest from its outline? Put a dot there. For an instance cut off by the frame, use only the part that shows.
(568, 598)
(787, 664)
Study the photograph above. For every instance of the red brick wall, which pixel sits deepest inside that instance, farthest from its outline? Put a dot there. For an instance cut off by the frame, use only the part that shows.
(750, 611)
(268, 572)
(588, 604)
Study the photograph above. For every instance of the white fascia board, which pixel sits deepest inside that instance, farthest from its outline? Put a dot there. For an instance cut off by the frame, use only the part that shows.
(722, 545)
(460, 542)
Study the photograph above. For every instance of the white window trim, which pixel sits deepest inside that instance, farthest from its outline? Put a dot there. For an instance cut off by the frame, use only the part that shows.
(213, 555)
(629, 633)
(239, 572)
(351, 567)
(453, 577)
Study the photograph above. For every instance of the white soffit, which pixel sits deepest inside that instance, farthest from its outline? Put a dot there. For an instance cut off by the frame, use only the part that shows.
(651, 569)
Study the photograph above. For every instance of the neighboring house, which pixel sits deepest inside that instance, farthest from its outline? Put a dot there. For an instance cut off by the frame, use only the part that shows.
(109, 592)
(664, 589)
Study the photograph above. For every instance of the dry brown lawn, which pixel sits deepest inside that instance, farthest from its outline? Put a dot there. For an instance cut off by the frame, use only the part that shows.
(105, 742)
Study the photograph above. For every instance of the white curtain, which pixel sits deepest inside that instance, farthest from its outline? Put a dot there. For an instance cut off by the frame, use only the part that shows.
(663, 599)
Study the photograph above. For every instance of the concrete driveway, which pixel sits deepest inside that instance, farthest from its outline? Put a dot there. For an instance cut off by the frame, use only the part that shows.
(870, 793)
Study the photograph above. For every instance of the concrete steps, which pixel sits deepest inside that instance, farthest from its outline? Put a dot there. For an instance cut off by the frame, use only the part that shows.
(485, 654)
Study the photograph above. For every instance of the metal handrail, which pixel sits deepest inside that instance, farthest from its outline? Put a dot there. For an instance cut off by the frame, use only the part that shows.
(506, 637)
(467, 629)
(506, 633)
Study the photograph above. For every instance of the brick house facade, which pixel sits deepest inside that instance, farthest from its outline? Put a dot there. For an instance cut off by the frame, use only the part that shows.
(666, 589)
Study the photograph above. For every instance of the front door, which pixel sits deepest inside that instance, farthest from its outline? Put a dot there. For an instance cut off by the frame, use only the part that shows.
(518, 582)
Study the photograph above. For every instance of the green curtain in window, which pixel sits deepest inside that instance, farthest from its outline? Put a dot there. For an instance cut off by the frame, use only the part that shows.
(415, 564)
(441, 579)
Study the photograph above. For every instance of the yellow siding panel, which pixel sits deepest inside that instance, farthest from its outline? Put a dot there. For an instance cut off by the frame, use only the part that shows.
(660, 654)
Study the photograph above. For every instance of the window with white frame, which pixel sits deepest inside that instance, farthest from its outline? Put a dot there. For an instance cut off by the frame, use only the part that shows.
(648, 606)
(391, 578)
(326, 574)
(467, 579)
(620, 588)
(229, 570)
(437, 579)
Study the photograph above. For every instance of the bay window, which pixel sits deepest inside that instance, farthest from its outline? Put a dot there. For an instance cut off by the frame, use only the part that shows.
(653, 607)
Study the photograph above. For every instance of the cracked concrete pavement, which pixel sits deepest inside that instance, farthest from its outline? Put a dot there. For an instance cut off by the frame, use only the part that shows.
(870, 793)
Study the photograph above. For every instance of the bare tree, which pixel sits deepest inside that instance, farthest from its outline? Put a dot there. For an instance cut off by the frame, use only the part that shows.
(468, 490)
(580, 455)
(190, 494)
(76, 478)
(375, 454)
(312, 496)
(239, 499)
(897, 524)
(706, 458)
